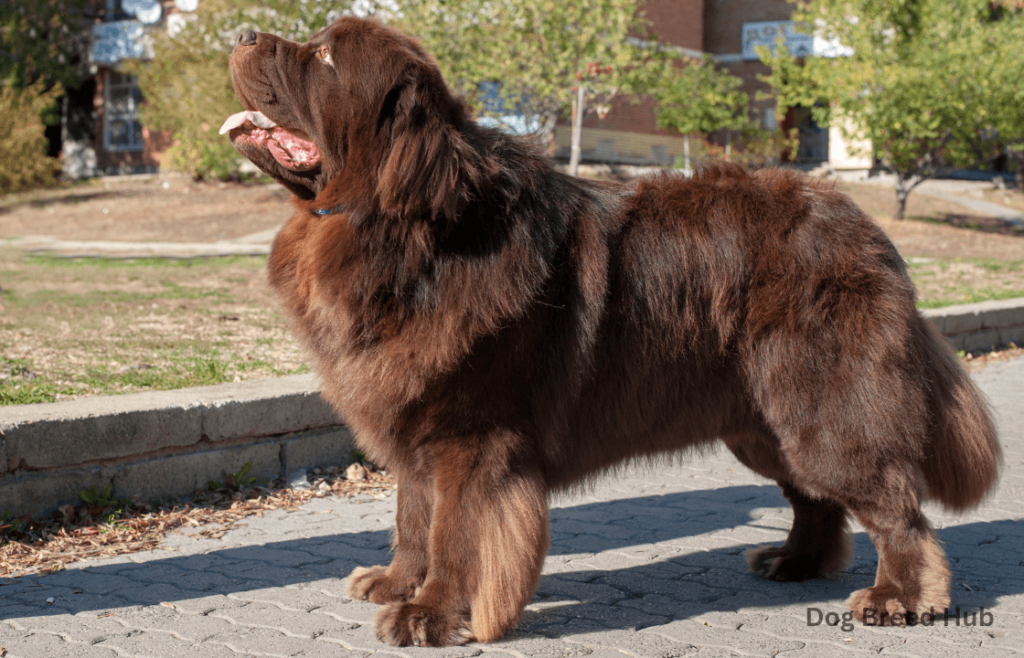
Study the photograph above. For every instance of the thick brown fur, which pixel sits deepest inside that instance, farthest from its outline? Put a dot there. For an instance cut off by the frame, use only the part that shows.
(493, 331)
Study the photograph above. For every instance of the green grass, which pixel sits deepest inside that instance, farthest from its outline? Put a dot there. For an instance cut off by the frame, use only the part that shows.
(253, 262)
(969, 296)
(185, 370)
(90, 326)
(946, 282)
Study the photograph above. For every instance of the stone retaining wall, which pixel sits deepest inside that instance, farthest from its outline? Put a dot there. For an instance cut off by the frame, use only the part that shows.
(164, 444)
(171, 443)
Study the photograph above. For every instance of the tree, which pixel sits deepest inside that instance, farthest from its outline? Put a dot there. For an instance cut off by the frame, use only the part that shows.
(42, 39)
(187, 85)
(1006, 116)
(42, 43)
(533, 50)
(916, 85)
(695, 96)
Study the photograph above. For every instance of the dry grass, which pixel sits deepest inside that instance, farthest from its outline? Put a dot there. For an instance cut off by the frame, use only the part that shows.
(85, 531)
(958, 281)
(978, 362)
(1009, 198)
(86, 327)
(144, 210)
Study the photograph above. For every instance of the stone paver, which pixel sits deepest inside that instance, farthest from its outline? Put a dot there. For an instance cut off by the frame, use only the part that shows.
(648, 563)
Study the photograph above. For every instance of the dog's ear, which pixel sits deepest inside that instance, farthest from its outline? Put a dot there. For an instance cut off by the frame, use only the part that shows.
(430, 169)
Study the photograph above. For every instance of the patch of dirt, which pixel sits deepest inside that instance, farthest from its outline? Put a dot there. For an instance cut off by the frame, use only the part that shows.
(1009, 198)
(936, 228)
(165, 208)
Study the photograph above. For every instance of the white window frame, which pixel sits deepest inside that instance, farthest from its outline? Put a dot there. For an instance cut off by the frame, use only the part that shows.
(131, 115)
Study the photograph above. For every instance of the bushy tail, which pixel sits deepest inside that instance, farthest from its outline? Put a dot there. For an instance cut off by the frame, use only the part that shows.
(963, 458)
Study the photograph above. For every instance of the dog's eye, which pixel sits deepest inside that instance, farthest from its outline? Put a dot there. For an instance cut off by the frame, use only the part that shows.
(325, 55)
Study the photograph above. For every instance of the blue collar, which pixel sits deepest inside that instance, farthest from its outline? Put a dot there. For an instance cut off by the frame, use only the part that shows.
(329, 211)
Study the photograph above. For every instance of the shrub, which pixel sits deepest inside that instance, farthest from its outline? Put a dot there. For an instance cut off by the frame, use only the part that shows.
(23, 160)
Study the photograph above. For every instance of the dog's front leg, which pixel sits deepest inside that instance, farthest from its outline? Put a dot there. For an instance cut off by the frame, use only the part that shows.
(401, 579)
(487, 542)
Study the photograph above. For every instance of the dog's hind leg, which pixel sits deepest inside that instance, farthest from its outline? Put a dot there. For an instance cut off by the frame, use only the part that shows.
(488, 538)
(882, 489)
(819, 544)
(912, 576)
(400, 579)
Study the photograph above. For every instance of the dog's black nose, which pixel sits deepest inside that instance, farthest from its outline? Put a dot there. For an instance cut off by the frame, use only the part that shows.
(246, 38)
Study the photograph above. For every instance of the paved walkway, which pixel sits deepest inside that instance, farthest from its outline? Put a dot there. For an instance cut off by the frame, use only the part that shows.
(979, 206)
(646, 564)
(965, 192)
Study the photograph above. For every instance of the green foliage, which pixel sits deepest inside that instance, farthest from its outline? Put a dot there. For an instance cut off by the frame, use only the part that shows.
(753, 147)
(1007, 88)
(188, 91)
(698, 97)
(917, 86)
(695, 96)
(42, 40)
(535, 50)
(9, 526)
(234, 481)
(188, 87)
(207, 370)
(23, 160)
(104, 506)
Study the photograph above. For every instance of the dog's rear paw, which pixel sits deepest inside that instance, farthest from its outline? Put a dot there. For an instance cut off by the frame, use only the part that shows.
(882, 606)
(376, 586)
(402, 624)
(779, 564)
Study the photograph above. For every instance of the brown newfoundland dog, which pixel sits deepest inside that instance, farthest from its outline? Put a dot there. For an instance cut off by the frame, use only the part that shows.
(493, 331)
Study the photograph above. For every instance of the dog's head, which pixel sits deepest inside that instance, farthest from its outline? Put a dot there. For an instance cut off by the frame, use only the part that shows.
(357, 115)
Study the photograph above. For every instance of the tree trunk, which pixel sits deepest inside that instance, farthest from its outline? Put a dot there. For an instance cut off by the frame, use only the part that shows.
(902, 192)
(1018, 158)
(686, 152)
(546, 133)
(577, 129)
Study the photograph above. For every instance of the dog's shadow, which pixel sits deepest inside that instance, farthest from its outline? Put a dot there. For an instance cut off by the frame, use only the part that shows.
(628, 563)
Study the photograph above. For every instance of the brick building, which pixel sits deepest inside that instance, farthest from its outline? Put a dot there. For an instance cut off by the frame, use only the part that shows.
(100, 131)
(729, 30)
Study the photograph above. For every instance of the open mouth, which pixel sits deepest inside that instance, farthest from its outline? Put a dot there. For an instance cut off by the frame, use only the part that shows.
(292, 148)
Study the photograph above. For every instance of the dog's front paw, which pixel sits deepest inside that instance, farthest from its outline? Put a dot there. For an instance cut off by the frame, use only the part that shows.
(402, 624)
(375, 585)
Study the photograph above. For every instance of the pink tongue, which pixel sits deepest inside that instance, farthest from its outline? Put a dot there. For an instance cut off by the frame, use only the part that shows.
(294, 152)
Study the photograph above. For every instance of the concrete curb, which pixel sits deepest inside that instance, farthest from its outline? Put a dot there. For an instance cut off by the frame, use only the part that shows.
(170, 443)
(981, 326)
(164, 444)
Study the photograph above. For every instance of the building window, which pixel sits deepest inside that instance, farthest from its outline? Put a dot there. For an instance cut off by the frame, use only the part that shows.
(122, 130)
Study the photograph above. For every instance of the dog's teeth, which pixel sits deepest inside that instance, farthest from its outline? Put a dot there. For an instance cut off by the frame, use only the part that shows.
(258, 119)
